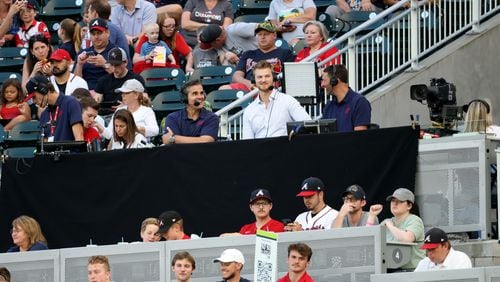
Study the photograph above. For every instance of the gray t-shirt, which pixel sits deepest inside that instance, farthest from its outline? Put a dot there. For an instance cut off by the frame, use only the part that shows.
(240, 38)
(201, 14)
(362, 222)
(279, 11)
(205, 58)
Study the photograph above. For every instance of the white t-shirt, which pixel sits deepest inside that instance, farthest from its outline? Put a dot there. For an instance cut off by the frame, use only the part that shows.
(279, 11)
(322, 220)
(143, 116)
(454, 260)
(73, 83)
(139, 142)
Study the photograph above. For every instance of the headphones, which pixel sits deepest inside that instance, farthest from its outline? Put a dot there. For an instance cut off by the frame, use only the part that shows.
(40, 87)
(184, 93)
(465, 108)
(334, 80)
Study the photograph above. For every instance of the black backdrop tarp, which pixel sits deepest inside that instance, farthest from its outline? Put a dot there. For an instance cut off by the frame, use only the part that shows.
(105, 196)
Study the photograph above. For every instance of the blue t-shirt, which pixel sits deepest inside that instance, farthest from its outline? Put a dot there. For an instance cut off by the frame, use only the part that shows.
(70, 47)
(147, 47)
(38, 246)
(206, 124)
(352, 111)
(92, 73)
(276, 58)
(68, 112)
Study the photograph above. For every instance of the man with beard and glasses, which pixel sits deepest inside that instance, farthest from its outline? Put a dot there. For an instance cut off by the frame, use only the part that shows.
(62, 79)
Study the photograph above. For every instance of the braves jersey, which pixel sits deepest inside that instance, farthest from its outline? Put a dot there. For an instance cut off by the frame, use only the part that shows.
(322, 220)
(271, 226)
(23, 35)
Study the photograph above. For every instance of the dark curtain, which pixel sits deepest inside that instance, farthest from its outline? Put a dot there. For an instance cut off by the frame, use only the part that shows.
(104, 196)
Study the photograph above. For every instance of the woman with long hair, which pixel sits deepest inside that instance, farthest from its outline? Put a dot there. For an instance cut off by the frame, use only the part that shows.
(316, 36)
(175, 41)
(478, 118)
(125, 133)
(27, 235)
(37, 59)
(70, 35)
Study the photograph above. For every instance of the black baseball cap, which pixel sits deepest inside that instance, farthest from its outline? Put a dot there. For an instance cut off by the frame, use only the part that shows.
(34, 83)
(355, 190)
(433, 238)
(166, 219)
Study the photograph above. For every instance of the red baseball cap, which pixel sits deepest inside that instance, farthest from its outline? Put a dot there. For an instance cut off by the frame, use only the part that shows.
(60, 54)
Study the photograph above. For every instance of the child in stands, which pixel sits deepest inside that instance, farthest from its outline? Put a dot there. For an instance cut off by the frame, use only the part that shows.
(29, 26)
(126, 135)
(90, 109)
(13, 107)
(152, 32)
(70, 36)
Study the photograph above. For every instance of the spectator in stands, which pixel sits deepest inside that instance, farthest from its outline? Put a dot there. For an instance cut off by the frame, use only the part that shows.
(289, 17)
(316, 36)
(4, 274)
(62, 79)
(405, 225)
(28, 25)
(261, 205)
(126, 135)
(268, 114)
(351, 109)
(36, 62)
(69, 33)
(440, 254)
(193, 124)
(351, 213)
(343, 6)
(62, 114)
(267, 50)
(81, 93)
(131, 16)
(27, 235)
(174, 40)
(231, 263)
(149, 230)
(139, 105)
(13, 107)
(233, 40)
(172, 226)
(183, 265)
(9, 21)
(204, 55)
(319, 214)
(102, 9)
(148, 49)
(299, 256)
(91, 62)
(478, 118)
(172, 7)
(105, 90)
(90, 109)
(98, 269)
(199, 13)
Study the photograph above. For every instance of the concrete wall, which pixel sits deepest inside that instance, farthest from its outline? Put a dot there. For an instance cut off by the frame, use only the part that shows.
(472, 63)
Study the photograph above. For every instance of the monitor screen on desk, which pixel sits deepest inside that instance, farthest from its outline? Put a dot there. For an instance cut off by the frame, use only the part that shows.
(71, 146)
(320, 126)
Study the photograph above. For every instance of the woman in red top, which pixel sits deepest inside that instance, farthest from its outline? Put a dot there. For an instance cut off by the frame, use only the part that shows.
(174, 40)
(13, 106)
(316, 36)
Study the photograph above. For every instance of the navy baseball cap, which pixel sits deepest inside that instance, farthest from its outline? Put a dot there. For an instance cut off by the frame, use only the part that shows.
(260, 194)
(311, 186)
(355, 190)
(166, 219)
(433, 238)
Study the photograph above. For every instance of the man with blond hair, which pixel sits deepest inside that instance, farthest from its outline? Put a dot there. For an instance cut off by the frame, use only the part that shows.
(98, 269)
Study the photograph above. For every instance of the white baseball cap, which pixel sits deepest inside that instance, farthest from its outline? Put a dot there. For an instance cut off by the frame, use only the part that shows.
(231, 255)
(131, 85)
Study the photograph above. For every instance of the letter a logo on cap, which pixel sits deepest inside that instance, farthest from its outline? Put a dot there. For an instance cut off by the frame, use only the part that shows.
(304, 187)
(95, 23)
(428, 238)
(260, 193)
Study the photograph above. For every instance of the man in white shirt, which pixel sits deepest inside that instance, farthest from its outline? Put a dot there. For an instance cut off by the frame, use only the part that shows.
(268, 114)
(440, 254)
(62, 79)
(319, 214)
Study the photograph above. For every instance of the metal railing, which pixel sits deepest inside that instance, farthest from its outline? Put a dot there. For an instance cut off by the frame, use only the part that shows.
(375, 55)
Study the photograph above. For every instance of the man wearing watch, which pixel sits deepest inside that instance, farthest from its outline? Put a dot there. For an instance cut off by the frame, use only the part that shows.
(193, 124)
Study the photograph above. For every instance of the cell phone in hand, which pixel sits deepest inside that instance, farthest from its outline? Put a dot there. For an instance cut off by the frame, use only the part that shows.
(90, 53)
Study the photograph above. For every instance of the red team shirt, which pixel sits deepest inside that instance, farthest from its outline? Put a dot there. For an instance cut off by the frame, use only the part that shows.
(305, 278)
(23, 35)
(271, 226)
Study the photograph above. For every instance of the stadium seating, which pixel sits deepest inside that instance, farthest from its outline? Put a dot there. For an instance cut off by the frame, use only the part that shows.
(221, 98)
(54, 11)
(12, 59)
(163, 79)
(213, 77)
(166, 102)
(251, 18)
(6, 75)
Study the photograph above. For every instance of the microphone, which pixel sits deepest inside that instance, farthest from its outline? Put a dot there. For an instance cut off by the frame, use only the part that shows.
(270, 88)
(196, 103)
